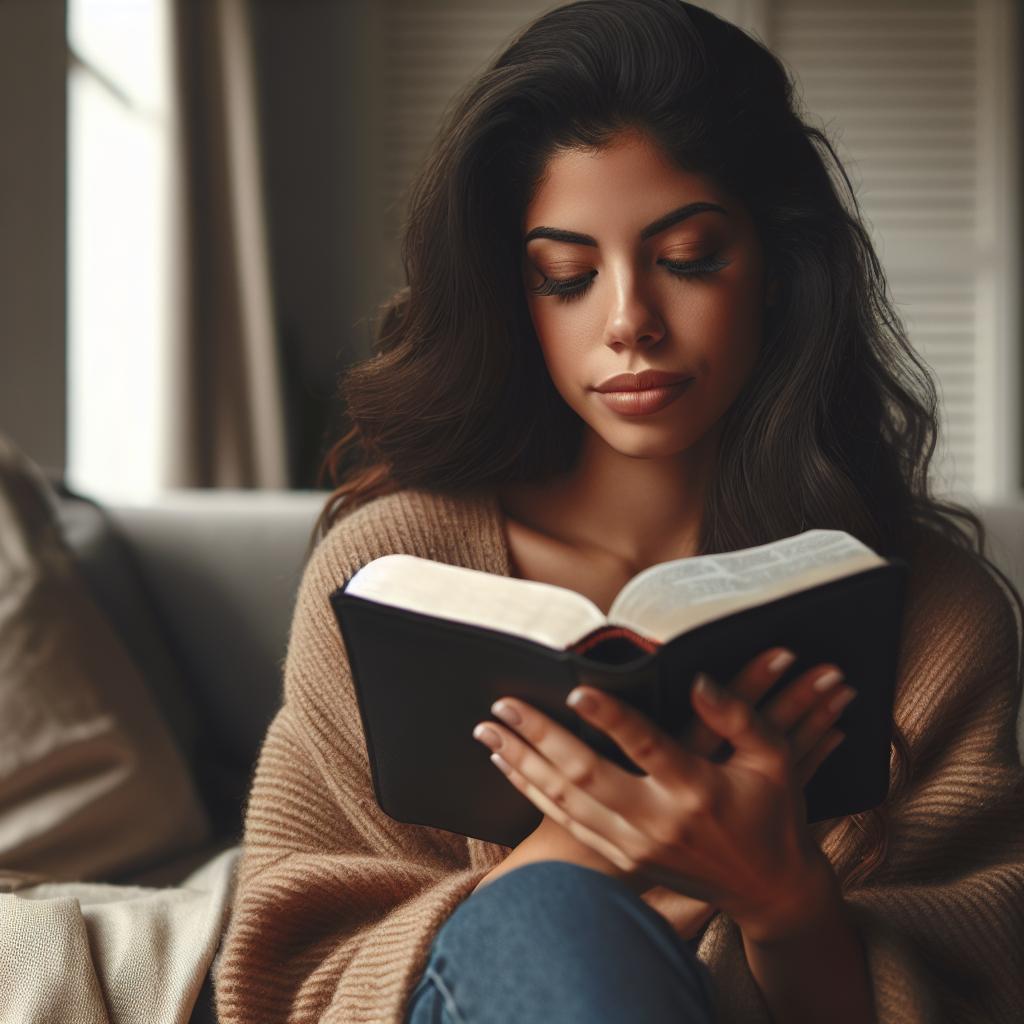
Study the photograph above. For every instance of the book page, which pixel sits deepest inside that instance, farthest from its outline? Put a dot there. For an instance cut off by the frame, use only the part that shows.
(668, 599)
(548, 614)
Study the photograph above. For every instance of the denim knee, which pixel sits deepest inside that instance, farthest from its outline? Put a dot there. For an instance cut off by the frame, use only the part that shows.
(557, 941)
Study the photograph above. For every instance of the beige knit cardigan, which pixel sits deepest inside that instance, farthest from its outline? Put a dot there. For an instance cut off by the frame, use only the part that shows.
(337, 904)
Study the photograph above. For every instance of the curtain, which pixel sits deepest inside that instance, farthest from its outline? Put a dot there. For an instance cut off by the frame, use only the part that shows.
(225, 423)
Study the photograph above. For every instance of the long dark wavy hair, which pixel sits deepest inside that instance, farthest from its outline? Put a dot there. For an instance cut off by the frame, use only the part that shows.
(837, 425)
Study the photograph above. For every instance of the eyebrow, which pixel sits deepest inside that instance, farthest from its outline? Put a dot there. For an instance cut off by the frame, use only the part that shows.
(666, 221)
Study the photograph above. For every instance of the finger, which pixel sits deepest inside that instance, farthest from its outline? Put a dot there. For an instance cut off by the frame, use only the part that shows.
(546, 785)
(752, 682)
(809, 690)
(754, 739)
(807, 768)
(543, 802)
(822, 716)
(646, 744)
(575, 760)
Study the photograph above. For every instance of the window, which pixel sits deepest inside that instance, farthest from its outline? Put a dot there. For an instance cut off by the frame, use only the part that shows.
(118, 264)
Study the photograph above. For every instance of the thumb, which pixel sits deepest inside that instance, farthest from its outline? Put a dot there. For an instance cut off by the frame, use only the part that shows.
(735, 719)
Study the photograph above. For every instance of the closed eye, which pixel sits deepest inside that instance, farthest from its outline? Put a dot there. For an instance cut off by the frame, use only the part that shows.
(576, 287)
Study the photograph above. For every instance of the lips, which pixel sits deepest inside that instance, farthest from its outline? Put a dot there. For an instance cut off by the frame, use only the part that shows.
(641, 381)
(645, 401)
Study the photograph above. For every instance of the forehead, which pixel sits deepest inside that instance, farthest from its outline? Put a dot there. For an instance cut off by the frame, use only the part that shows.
(631, 181)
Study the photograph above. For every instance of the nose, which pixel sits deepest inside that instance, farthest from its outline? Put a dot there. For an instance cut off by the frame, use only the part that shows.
(633, 320)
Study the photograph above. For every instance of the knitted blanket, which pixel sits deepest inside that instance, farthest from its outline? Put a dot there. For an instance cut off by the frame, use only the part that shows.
(93, 953)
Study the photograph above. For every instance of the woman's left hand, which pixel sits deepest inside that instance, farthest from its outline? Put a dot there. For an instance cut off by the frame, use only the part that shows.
(731, 833)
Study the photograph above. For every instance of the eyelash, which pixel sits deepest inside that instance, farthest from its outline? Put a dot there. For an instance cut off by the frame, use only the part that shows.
(575, 288)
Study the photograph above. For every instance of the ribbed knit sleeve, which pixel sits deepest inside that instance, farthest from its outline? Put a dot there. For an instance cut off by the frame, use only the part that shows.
(337, 904)
(942, 920)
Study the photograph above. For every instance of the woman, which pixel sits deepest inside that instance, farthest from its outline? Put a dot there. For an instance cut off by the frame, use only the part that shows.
(628, 188)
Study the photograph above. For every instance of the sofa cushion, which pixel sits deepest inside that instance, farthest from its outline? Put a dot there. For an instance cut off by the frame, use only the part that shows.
(223, 568)
(109, 569)
(92, 784)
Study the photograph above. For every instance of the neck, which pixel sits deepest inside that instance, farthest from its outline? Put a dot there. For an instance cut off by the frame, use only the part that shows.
(642, 510)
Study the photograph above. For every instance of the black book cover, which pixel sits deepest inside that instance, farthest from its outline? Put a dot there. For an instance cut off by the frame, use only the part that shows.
(423, 683)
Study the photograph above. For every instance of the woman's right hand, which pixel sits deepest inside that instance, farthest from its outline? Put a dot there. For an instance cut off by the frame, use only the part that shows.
(802, 711)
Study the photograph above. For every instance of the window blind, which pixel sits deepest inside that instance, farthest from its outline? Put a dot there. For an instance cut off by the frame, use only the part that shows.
(900, 89)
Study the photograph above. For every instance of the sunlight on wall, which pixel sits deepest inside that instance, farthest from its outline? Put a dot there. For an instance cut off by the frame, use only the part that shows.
(118, 243)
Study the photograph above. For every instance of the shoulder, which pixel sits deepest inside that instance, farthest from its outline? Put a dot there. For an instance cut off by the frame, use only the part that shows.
(458, 529)
(949, 573)
(956, 603)
(446, 528)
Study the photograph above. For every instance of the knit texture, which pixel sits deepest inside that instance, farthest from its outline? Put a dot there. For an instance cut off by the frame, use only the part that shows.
(337, 904)
(96, 953)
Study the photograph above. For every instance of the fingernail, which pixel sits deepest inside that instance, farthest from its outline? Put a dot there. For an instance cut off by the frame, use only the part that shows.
(840, 701)
(506, 713)
(781, 661)
(706, 689)
(581, 701)
(487, 736)
(829, 679)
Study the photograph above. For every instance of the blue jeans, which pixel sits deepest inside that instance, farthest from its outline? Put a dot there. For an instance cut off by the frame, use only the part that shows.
(553, 941)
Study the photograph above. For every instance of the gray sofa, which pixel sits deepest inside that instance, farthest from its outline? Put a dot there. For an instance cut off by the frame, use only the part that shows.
(201, 585)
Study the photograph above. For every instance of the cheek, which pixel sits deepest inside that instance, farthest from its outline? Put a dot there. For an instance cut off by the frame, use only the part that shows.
(564, 335)
(565, 362)
(727, 326)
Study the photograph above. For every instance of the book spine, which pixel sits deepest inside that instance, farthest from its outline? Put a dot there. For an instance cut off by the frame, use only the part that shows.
(639, 686)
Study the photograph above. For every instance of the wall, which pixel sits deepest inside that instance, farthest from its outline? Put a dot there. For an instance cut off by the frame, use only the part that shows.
(32, 233)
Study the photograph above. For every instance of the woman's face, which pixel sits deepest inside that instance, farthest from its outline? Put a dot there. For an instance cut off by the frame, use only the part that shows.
(631, 302)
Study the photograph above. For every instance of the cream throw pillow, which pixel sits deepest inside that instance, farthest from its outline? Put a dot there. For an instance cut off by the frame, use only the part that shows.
(91, 782)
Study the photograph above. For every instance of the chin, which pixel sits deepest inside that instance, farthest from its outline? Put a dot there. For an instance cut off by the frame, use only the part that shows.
(636, 442)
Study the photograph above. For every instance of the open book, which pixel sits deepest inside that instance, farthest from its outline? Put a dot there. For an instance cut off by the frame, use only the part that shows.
(432, 645)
